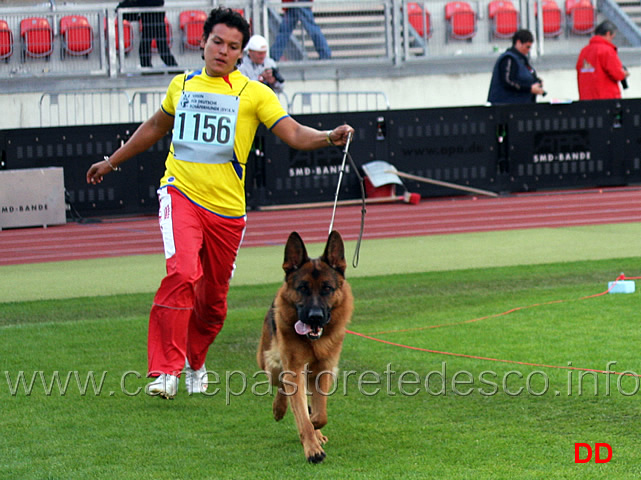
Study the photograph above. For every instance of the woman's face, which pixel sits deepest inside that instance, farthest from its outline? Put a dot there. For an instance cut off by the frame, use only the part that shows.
(222, 50)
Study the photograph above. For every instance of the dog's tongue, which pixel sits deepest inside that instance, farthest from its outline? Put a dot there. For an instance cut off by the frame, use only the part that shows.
(302, 328)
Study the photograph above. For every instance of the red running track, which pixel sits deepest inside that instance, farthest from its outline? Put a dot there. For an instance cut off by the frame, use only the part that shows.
(118, 237)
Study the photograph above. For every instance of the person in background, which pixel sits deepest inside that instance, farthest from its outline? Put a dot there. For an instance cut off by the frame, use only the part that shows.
(291, 17)
(153, 27)
(257, 65)
(213, 114)
(598, 68)
(514, 80)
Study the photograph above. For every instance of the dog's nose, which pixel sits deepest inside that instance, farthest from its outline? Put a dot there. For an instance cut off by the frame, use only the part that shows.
(315, 316)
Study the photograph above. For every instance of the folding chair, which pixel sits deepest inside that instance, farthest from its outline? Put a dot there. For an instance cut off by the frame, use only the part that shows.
(76, 35)
(127, 33)
(504, 18)
(6, 41)
(191, 28)
(36, 37)
(581, 16)
(461, 20)
(419, 19)
(552, 19)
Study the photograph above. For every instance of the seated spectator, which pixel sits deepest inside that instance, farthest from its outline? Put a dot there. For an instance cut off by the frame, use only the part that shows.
(257, 65)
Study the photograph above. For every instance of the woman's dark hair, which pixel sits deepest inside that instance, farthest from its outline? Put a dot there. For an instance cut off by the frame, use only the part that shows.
(229, 17)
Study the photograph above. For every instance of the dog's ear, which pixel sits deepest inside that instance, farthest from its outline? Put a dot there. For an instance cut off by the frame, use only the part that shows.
(295, 253)
(334, 254)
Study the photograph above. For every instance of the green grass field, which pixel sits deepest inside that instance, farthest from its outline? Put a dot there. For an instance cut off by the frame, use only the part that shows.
(73, 361)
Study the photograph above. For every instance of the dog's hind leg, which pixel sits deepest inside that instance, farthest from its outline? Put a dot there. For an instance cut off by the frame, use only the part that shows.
(279, 407)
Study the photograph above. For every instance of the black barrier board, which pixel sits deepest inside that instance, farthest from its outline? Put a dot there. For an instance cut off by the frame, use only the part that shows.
(555, 145)
(454, 145)
(293, 176)
(631, 121)
(499, 148)
(129, 191)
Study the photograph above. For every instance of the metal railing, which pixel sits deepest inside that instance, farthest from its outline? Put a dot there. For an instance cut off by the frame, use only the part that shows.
(97, 107)
(93, 107)
(330, 102)
(144, 104)
(359, 32)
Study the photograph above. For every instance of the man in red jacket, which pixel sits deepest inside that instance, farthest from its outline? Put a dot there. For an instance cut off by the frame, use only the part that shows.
(598, 68)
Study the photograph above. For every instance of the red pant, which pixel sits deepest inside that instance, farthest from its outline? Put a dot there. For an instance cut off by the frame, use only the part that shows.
(191, 304)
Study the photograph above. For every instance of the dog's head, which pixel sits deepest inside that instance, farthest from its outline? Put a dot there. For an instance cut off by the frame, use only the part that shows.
(314, 284)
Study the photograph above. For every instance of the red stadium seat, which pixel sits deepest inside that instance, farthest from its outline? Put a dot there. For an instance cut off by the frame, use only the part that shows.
(419, 19)
(191, 28)
(6, 41)
(461, 20)
(504, 18)
(76, 35)
(581, 16)
(552, 18)
(127, 33)
(36, 36)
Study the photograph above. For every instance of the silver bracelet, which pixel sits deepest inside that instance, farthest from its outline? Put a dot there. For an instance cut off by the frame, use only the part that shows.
(328, 138)
(106, 159)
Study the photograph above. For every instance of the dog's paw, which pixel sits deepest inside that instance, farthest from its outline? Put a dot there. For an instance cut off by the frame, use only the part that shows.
(279, 414)
(316, 457)
(279, 407)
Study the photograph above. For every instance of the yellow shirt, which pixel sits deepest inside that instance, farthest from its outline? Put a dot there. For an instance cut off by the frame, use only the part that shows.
(220, 188)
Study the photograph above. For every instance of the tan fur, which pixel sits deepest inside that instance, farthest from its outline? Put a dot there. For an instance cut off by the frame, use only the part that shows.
(285, 354)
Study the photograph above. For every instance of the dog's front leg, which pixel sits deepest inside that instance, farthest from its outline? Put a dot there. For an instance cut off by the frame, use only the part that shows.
(320, 388)
(295, 390)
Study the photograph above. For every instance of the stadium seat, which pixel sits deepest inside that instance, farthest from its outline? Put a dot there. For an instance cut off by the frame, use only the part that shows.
(6, 41)
(76, 35)
(127, 33)
(461, 20)
(191, 29)
(581, 16)
(419, 19)
(36, 38)
(504, 18)
(552, 18)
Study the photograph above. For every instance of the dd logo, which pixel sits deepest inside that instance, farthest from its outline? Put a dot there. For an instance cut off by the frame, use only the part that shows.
(597, 453)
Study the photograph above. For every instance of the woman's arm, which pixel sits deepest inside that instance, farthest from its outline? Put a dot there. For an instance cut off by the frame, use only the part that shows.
(302, 137)
(145, 136)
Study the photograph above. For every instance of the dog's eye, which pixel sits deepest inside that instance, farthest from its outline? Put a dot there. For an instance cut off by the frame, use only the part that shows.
(303, 289)
(327, 289)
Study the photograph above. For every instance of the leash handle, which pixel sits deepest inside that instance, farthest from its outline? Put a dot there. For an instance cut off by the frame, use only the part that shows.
(340, 180)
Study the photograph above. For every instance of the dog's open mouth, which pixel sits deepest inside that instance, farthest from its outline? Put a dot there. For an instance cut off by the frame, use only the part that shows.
(310, 332)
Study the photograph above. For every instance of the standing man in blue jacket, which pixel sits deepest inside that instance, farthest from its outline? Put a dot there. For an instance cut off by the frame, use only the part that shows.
(513, 79)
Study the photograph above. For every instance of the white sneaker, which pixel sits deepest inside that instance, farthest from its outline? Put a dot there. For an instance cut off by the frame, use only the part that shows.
(164, 385)
(195, 380)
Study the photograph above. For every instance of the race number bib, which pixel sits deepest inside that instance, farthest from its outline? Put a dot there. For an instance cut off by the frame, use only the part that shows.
(205, 127)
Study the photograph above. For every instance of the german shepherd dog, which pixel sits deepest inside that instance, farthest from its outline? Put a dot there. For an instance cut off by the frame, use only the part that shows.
(303, 335)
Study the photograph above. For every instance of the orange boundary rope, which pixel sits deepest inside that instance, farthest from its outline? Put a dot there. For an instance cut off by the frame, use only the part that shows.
(512, 310)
